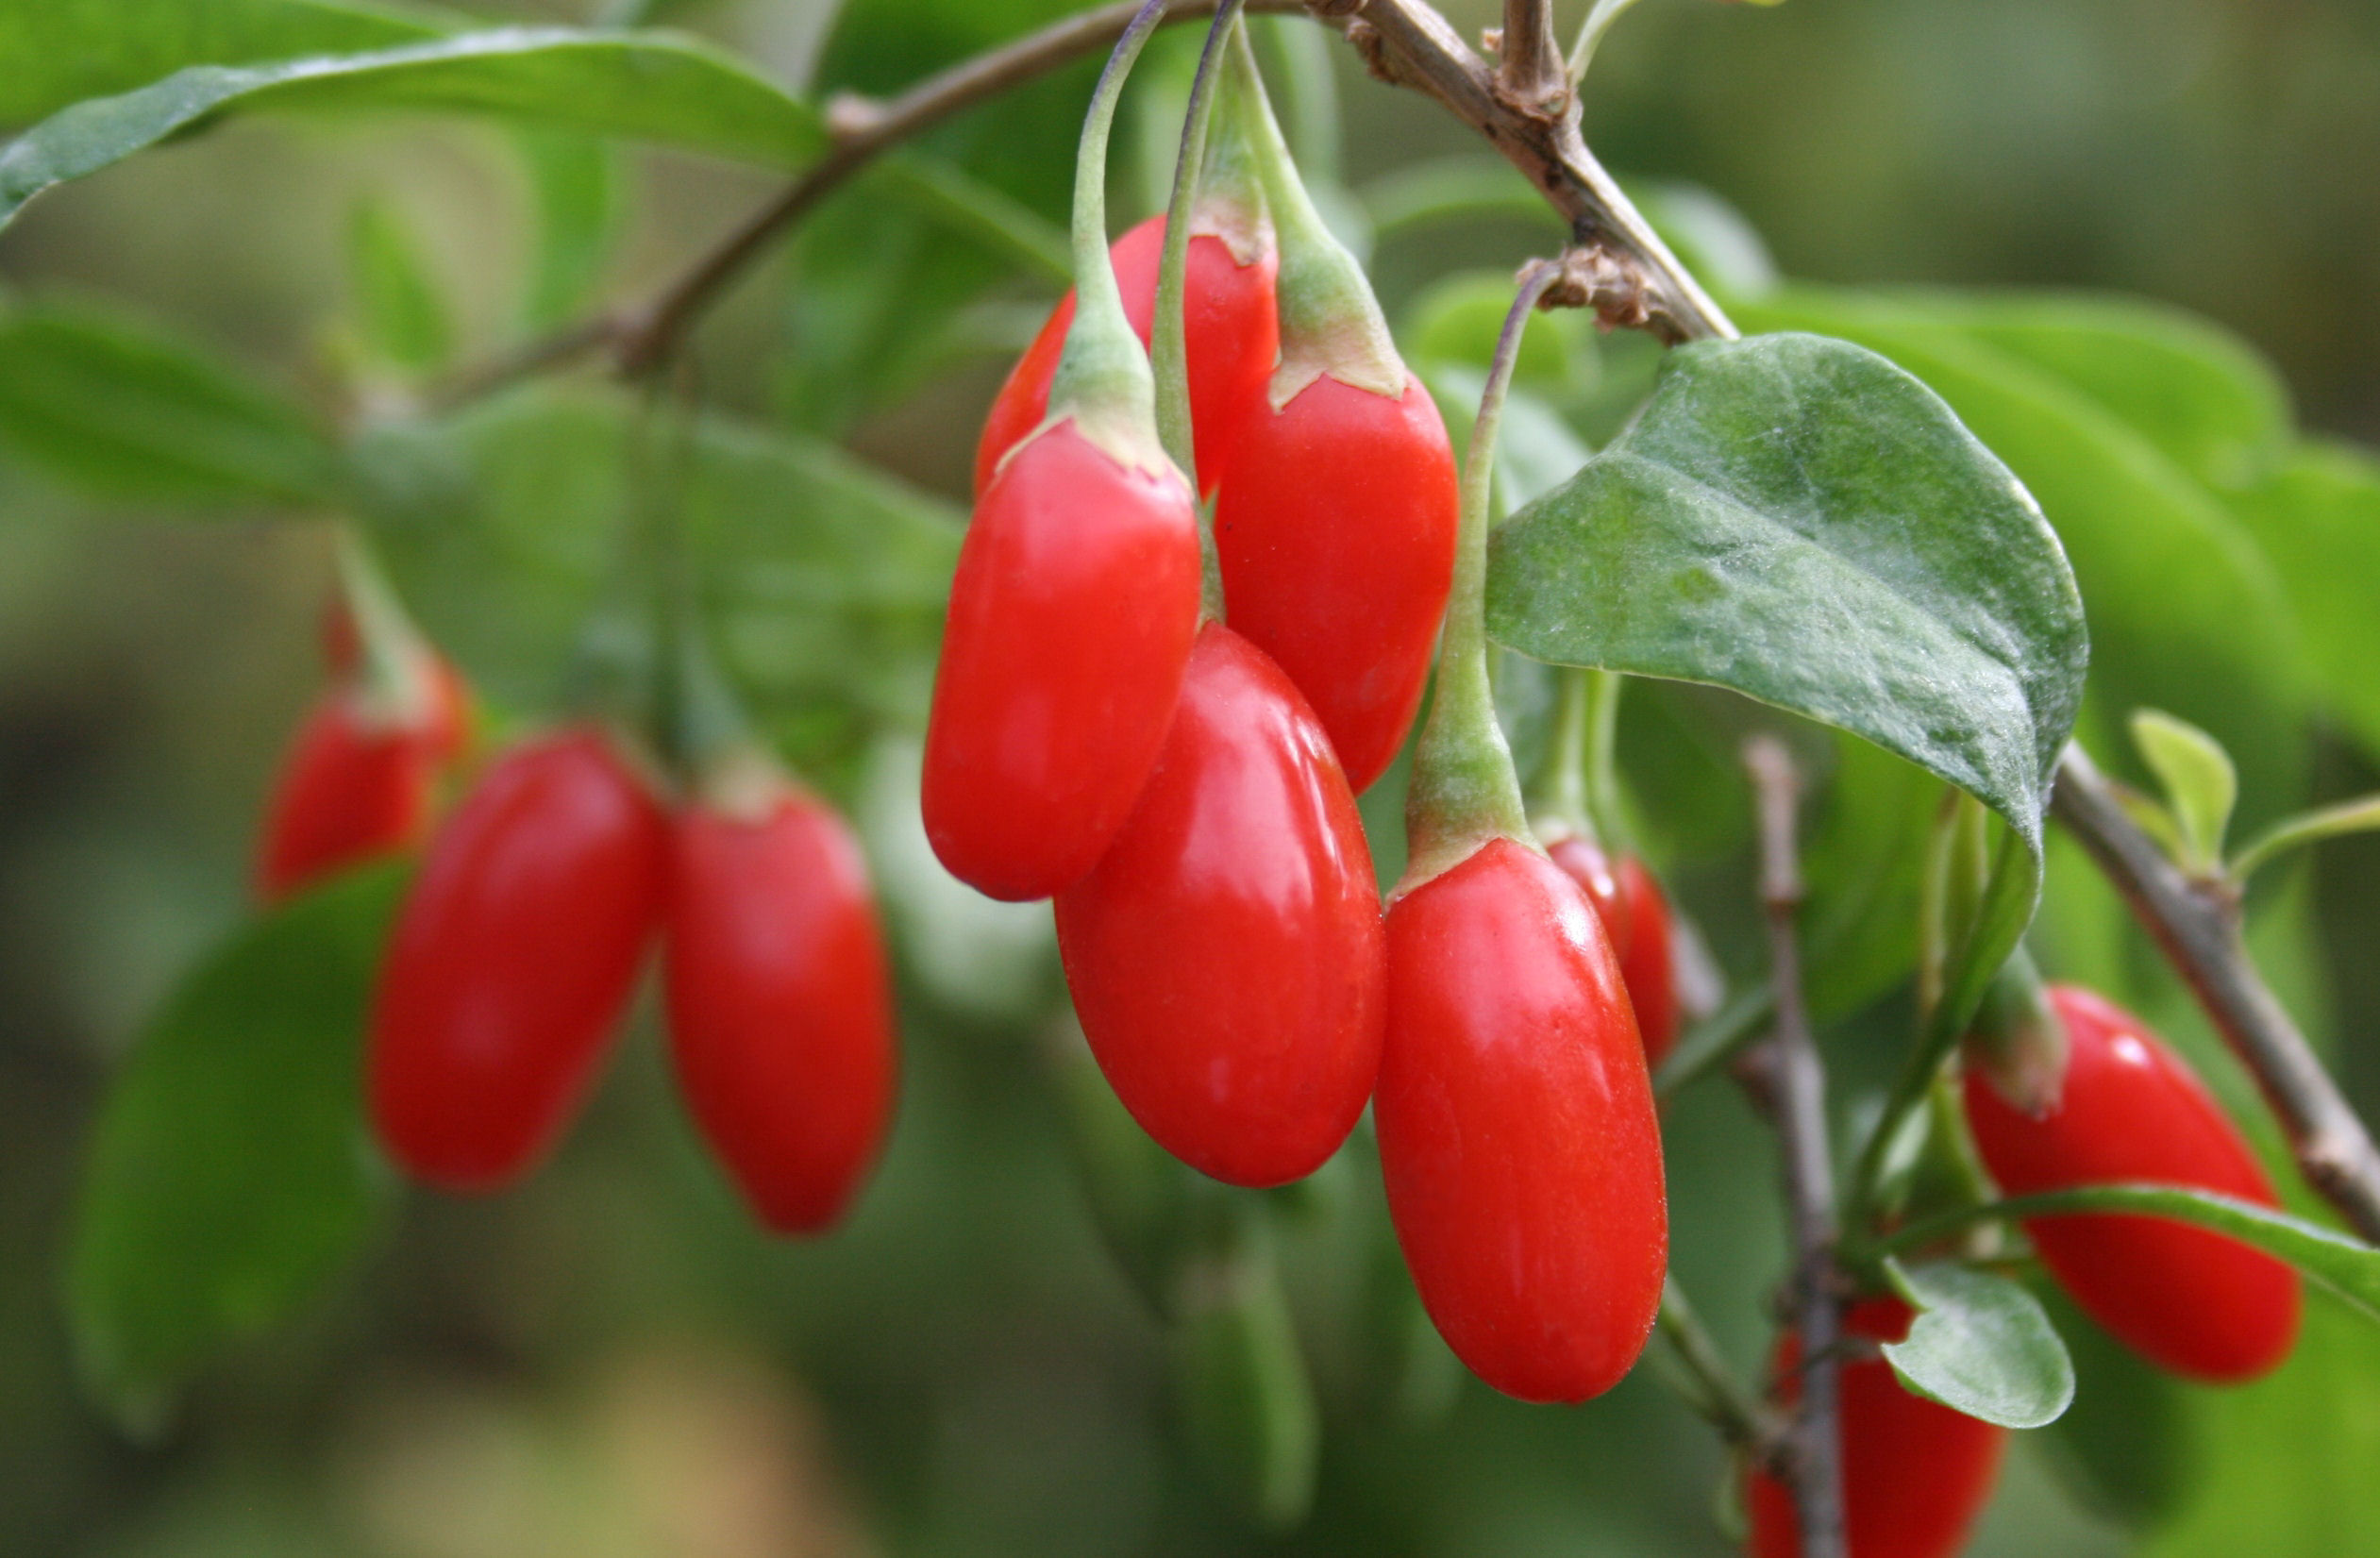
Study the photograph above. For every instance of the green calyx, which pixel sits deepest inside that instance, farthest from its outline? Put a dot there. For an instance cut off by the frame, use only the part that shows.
(2016, 1040)
(396, 671)
(1465, 792)
(1103, 382)
(1331, 323)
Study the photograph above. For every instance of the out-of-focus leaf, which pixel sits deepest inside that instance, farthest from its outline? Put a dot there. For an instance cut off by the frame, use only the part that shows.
(1455, 189)
(575, 184)
(2186, 613)
(2128, 1447)
(1457, 322)
(823, 579)
(123, 413)
(231, 1174)
(402, 316)
(2205, 397)
(1711, 238)
(1864, 865)
(2318, 518)
(1246, 1401)
(652, 87)
(1980, 1344)
(1797, 520)
(2286, 1460)
(58, 52)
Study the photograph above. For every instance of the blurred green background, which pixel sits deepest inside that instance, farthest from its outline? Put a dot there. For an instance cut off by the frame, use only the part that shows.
(610, 1361)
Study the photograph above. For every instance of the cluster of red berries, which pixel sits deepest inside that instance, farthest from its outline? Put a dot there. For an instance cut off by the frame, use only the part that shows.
(2129, 1111)
(520, 941)
(1185, 790)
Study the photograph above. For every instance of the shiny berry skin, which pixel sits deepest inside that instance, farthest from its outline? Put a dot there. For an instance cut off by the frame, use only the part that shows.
(1915, 1473)
(1635, 914)
(781, 1006)
(511, 959)
(1335, 528)
(1517, 1129)
(1232, 336)
(1071, 620)
(352, 789)
(1226, 956)
(2131, 1110)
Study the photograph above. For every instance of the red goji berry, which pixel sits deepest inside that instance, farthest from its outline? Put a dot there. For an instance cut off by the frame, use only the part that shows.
(1225, 954)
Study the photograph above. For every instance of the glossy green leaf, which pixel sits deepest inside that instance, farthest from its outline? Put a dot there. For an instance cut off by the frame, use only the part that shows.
(123, 413)
(2318, 518)
(1797, 520)
(2200, 785)
(1980, 1344)
(823, 579)
(230, 1176)
(57, 52)
(655, 86)
(2186, 613)
(398, 306)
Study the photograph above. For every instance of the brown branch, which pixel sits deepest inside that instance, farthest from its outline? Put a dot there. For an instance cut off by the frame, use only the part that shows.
(1534, 77)
(642, 337)
(1797, 1083)
(2197, 923)
(1408, 42)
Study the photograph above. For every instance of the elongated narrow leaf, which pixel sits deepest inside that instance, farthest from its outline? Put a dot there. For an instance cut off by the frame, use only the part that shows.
(2346, 1267)
(1797, 520)
(651, 87)
(121, 411)
(576, 184)
(1980, 1344)
(58, 52)
(230, 1176)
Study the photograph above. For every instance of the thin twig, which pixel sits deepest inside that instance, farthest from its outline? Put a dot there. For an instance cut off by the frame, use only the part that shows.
(1714, 1392)
(642, 337)
(1639, 283)
(2198, 925)
(1532, 76)
(1800, 1092)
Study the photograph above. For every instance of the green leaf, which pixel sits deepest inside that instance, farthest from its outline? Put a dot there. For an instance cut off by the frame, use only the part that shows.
(674, 91)
(1797, 520)
(2205, 398)
(2186, 613)
(230, 1176)
(402, 316)
(122, 412)
(2200, 785)
(2362, 815)
(1980, 1344)
(2126, 1448)
(581, 200)
(2346, 1267)
(2318, 518)
(1248, 1405)
(823, 579)
(58, 52)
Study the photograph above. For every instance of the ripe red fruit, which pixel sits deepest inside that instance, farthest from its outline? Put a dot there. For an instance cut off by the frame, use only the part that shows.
(1915, 1473)
(1517, 1129)
(352, 789)
(1228, 316)
(2131, 1110)
(780, 1010)
(511, 959)
(1226, 956)
(1071, 620)
(1335, 530)
(1635, 914)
